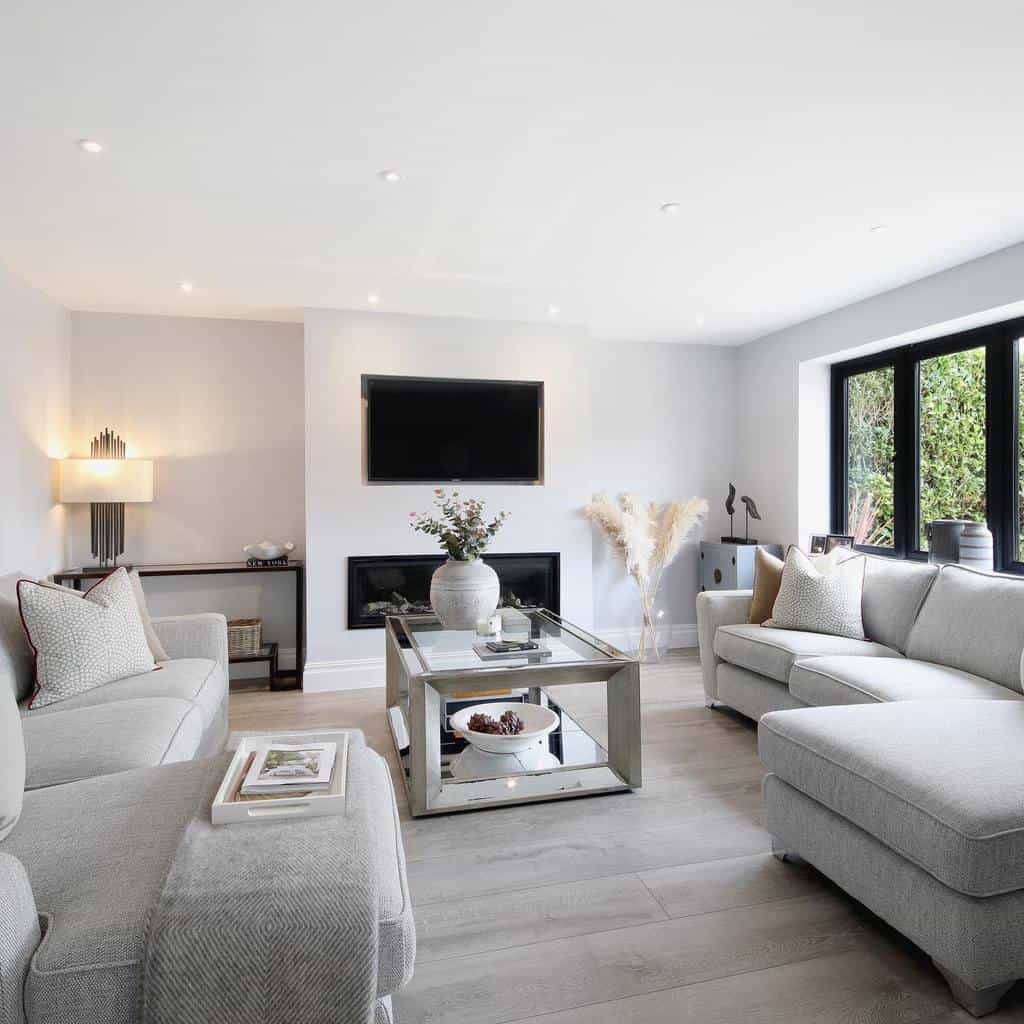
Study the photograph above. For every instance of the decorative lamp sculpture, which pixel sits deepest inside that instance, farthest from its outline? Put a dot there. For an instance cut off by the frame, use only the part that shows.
(106, 480)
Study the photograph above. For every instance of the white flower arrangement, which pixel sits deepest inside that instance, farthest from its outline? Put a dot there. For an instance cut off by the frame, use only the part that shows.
(648, 537)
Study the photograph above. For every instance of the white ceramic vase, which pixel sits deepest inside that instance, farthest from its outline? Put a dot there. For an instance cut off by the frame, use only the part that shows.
(464, 593)
(976, 547)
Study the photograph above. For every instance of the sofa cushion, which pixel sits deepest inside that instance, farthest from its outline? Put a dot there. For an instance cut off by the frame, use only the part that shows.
(197, 680)
(82, 641)
(772, 651)
(894, 590)
(16, 657)
(822, 597)
(846, 680)
(939, 782)
(80, 743)
(973, 621)
(753, 694)
(156, 648)
(97, 854)
(12, 763)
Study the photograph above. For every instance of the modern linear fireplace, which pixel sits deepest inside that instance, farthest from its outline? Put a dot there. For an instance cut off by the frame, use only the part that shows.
(380, 585)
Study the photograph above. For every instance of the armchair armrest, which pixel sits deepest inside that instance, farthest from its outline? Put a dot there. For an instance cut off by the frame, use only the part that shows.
(19, 936)
(717, 608)
(194, 636)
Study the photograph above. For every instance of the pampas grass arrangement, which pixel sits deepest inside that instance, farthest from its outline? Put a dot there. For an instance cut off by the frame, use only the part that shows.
(648, 537)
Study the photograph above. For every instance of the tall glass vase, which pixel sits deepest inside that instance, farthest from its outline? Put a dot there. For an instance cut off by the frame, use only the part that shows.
(654, 631)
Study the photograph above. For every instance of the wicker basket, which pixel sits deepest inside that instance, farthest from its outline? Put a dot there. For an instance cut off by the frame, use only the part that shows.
(245, 636)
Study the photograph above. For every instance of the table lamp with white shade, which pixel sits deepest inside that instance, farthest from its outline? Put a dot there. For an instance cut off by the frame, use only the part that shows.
(106, 481)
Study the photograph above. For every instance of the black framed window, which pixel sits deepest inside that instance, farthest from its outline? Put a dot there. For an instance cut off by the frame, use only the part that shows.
(931, 431)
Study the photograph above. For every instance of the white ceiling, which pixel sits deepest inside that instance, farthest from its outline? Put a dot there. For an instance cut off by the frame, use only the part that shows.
(536, 142)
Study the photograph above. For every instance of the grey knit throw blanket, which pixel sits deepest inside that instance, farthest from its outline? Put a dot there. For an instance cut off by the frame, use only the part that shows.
(268, 923)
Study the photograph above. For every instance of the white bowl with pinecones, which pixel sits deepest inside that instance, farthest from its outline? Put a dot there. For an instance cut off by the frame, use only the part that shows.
(504, 727)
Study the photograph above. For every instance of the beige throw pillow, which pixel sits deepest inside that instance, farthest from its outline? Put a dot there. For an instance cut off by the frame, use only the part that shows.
(767, 577)
(155, 647)
(822, 598)
(82, 641)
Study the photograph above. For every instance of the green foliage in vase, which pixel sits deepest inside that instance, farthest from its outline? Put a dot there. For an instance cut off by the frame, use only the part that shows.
(460, 528)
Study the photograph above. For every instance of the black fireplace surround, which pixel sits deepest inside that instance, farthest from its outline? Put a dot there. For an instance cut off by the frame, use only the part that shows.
(380, 585)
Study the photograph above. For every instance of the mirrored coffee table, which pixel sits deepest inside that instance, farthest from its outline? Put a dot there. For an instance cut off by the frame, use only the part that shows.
(432, 672)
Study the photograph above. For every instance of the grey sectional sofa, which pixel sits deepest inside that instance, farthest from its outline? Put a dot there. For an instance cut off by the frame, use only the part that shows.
(108, 838)
(896, 762)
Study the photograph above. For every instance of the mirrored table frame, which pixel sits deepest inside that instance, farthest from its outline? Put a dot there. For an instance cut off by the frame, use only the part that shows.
(432, 671)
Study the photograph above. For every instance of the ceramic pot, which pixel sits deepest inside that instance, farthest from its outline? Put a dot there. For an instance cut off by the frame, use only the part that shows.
(976, 547)
(464, 593)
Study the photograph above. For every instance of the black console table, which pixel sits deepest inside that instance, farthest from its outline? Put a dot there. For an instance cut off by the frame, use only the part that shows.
(76, 577)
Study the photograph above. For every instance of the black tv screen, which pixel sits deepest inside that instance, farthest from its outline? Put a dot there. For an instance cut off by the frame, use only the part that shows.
(433, 430)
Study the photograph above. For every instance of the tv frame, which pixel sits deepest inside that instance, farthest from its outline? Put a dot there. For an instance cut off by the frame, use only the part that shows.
(368, 378)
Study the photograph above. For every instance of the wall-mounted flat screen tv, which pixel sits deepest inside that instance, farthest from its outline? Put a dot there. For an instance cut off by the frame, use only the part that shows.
(436, 430)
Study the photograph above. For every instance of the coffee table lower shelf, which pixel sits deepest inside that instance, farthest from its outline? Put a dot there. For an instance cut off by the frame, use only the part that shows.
(478, 793)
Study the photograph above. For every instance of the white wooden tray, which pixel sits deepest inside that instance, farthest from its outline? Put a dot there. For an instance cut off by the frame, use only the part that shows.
(225, 812)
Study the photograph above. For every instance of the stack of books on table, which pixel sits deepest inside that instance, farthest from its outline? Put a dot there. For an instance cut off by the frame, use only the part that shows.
(288, 770)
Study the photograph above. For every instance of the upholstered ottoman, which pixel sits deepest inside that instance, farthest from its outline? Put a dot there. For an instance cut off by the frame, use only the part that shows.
(917, 810)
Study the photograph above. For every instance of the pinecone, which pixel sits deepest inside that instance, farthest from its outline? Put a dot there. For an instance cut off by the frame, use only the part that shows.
(484, 723)
(511, 724)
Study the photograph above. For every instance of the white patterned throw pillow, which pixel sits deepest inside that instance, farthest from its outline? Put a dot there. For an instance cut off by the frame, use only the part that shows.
(820, 599)
(82, 641)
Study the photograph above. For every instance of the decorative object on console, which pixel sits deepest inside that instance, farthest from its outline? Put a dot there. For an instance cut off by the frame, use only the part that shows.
(837, 540)
(818, 544)
(272, 552)
(730, 509)
(464, 590)
(752, 513)
(106, 480)
(976, 547)
(648, 538)
(960, 541)
(82, 641)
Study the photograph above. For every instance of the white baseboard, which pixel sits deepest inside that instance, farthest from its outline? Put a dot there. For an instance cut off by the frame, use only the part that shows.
(350, 674)
(362, 673)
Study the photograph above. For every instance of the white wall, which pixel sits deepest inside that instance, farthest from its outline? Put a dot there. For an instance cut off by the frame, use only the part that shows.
(33, 428)
(663, 425)
(218, 406)
(616, 417)
(783, 380)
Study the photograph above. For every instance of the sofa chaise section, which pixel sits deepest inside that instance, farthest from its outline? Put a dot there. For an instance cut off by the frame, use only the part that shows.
(914, 808)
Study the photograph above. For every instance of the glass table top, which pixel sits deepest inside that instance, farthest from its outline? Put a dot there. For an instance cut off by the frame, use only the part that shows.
(559, 642)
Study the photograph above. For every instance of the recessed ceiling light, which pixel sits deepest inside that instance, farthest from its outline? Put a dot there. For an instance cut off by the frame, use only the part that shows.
(373, 298)
(90, 145)
(390, 175)
(671, 208)
(877, 229)
(699, 319)
(554, 310)
(186, 286)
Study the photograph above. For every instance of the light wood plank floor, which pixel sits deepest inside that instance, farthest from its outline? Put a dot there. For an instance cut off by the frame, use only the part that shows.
(654, 907)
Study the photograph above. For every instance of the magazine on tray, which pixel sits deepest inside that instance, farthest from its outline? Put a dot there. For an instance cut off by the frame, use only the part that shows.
(283, 767)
